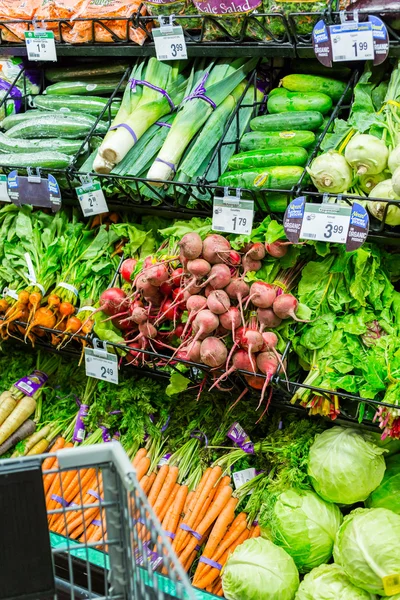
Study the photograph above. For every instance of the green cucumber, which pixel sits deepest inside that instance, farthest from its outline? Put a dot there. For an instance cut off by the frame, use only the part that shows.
(10, 145)
(89, 87)
(46, 160)
(93, 105)
(264, 140)
(311, 66)
(279, 157)
(306, 120)
(278, 178)
(52, 127)
(275, 202)
(56, 74)
(314, 83)
(285, 101)
(33, 115)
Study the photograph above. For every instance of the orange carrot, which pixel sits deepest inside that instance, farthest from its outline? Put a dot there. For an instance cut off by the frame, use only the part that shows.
(168, 504)
(256, 532)
(72, 490)
(138, 456)
(217, 588)
(166, 490)
(142, 467)
(147, 483)
(189, 508)
(212, 514)
(48, 462)
(158, 483)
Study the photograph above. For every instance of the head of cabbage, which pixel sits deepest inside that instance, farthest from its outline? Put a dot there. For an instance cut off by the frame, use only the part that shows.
(367, 546)
(344, 466)
(330, 582)
(259, 570)
(387, 494)
(303, 524)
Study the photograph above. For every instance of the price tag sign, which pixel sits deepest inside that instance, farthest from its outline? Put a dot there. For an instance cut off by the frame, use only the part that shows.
(242, 477)
(233, 215)
(101, 364)
(4, 197)
(170, 43)
(40, 45)
(352, 41)
(92, 200)
(326, 223)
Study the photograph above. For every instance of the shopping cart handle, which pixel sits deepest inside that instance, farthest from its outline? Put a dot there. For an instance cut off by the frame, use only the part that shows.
(97, 455)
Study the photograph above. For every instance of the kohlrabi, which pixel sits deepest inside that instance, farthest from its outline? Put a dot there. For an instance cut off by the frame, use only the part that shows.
(368, 182)
(367, 154)
(396, 181)
(331, 173)
(385, 191)
(394, 159)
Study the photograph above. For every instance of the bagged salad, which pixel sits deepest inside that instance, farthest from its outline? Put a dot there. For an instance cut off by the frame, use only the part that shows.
(304, 24)
(157, 8)
(234, 23)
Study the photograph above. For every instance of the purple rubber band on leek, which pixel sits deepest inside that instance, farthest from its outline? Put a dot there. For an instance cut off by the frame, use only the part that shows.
(170, 165)
(200, 93)
(125, 126)
(135, 82)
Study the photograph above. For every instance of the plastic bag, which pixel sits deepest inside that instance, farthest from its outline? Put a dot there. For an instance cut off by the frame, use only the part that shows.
(181, 7)
(233, 25)
(122, 28)
(10, 10)
(10, 67)
(58, 9)
(304, 24)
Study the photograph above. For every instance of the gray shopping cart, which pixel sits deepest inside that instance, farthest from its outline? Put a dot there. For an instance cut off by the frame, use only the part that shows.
(112, 546)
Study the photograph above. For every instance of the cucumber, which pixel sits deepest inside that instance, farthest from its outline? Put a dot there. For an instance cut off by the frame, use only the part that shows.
(313, 83)
(49, 160)
(285, 101)
(294, 155)
(33, 115)
(93, 105)
(278, 178)
(264, 140)
(9, 145)
(275, 202)
(89, 87)
(306, 120)
(52, 127)
(83, 72)
(314, 67)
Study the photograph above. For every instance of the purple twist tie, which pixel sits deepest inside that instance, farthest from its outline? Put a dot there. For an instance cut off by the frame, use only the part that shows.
(115, 412)
(247, 447)
(60, 500)
(140, 520)
(164, 427)
(170, 535)
(170, 165)
(125, 126)
(96, 522)
(197, 547)
(200, 93)
(255, 523)
(210, 563)
(200, 437)
(194, 533)
(135, 82)
(105, 434)
(95, 495)
(162, 124)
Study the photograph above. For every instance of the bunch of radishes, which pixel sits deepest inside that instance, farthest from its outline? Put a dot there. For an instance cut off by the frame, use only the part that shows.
(219, 319)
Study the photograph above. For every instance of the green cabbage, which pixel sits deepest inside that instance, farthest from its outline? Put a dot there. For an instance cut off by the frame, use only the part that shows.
(368, 547)
(259, 570)
(343, 466)
(330, 582)
(387, 494)
(304, 525)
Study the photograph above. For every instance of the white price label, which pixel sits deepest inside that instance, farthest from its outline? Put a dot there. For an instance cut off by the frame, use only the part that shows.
(92, 200)
(4, 197)
(103, 367)
(352, 41)
(40, 45)
(232, 215)
(326, 223)
(242, 477)
(170, 43)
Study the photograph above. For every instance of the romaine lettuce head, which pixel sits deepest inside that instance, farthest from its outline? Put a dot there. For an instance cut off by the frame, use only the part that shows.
(345, 467)
(259, 570)
(367, 547)
(303, 524)
(387, 494)
(330, 582)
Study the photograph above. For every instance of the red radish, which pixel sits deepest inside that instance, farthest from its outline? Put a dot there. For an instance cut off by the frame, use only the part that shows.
(218, 302)
(205, 322)
(220, 277)
(267, 364)
(122, 323)
(241, 361)
(176, 276)
(267, 319)
(234, 259)
(139, 315)
(270, 343)
(230, 319)
(238, 290)
(142, 284)
(251, 340)
(193, 355)
(277, 249)
(213, 248)
(256, 252)
(180, 295)
(167, 311)
(127, 268)
(207, 290)
(191, 245)
(194, 305)
(285, 307)
(166, 289)
(134, 354)
(113, 301)
(199, 267)
(213, 352)
(148, 331)
(157, 274)
(177, 331)
(250, 265)
(262, 294)
(136, 304)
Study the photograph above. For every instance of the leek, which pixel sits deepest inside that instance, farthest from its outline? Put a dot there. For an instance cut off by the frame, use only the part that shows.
(151, 106)
(207, 94)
